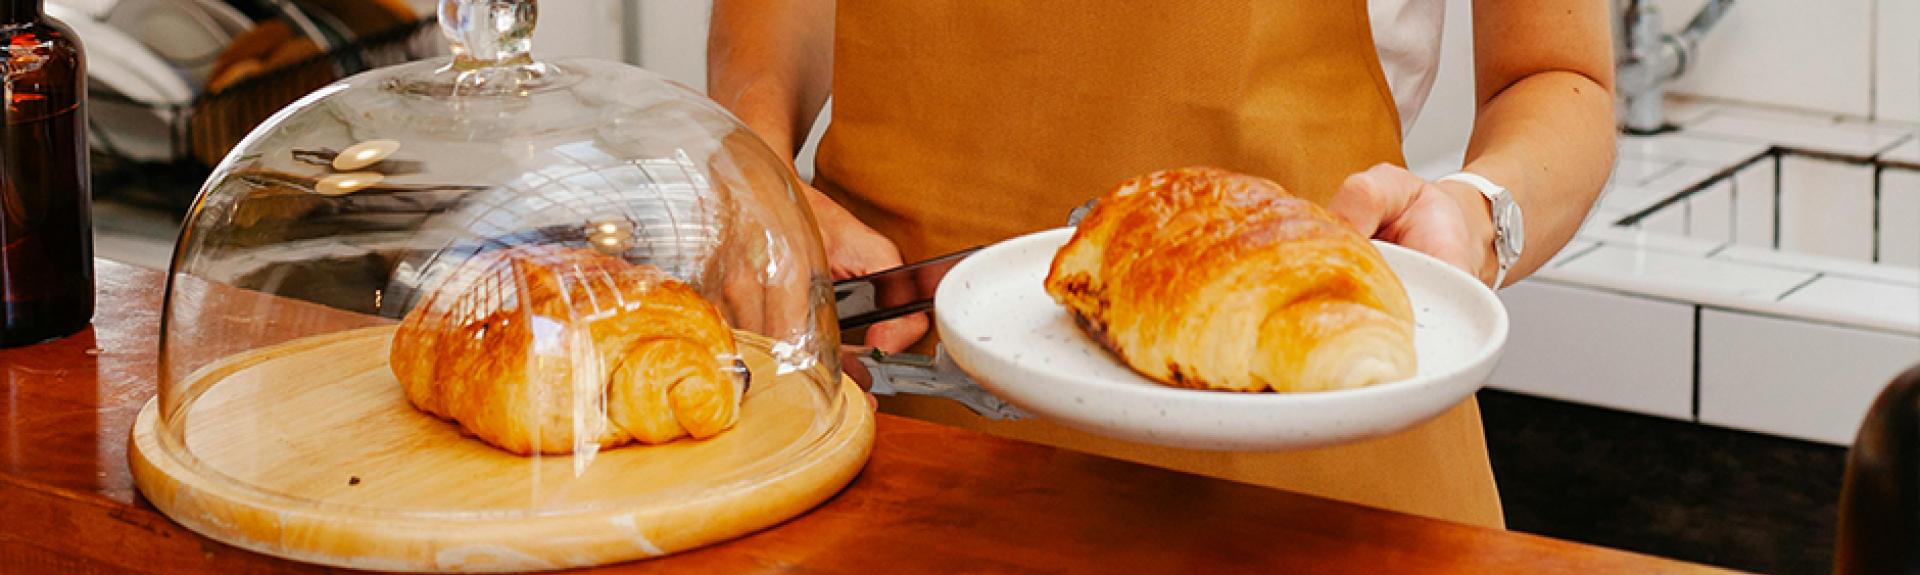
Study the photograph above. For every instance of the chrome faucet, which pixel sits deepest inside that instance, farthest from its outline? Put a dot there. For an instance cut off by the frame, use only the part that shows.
(1648, 58)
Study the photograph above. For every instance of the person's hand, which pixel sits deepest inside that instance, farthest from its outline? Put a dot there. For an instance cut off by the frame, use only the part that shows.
(853, 250)
(1449, 221)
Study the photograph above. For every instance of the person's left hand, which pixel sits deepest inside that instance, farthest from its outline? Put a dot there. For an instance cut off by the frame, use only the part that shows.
(1449, 221)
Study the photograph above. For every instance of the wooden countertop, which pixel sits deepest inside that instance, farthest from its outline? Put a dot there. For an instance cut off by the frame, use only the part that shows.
(932, 499)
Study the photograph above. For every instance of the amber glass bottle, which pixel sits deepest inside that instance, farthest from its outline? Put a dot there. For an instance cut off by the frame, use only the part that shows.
(46, 260)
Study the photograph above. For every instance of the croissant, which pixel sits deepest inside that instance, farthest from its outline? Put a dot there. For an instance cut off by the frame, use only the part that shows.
(524, 347)
(1204, 278)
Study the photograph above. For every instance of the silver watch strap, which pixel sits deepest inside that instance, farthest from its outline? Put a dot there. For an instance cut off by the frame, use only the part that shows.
(1492, 192)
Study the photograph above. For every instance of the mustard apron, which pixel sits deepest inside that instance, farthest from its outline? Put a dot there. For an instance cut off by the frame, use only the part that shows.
(963, 122)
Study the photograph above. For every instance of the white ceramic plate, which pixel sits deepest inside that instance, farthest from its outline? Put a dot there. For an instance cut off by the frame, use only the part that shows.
(116, 63)
(122, 63)
(180, 31)
(229, 18)
(1000, 326)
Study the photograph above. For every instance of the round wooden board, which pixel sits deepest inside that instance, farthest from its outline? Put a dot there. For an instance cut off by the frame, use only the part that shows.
(308, 450)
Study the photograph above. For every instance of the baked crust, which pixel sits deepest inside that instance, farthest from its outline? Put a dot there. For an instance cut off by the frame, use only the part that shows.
(1207, 279)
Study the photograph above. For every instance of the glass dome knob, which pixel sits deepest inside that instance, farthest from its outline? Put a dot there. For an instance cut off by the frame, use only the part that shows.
(492, 42)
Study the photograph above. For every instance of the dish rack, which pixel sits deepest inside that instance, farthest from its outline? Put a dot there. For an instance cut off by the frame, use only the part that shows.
(201, 131)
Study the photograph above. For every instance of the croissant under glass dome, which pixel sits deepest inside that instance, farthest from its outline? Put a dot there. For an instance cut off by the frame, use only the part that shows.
(545, 285)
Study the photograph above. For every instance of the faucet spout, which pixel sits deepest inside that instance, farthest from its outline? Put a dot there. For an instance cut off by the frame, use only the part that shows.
(1650, 58)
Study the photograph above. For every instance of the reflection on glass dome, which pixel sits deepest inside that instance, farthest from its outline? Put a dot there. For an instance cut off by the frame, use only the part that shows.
(495, 289)
(368, 193)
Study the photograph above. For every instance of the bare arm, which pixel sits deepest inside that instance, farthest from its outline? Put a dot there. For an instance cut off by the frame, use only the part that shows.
(771, 63)
(1544, 129)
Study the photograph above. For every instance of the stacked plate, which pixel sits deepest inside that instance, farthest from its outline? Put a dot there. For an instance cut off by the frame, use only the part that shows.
(148, 60)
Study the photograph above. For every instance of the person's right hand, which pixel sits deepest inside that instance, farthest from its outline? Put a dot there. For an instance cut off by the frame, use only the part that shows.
(853, 250)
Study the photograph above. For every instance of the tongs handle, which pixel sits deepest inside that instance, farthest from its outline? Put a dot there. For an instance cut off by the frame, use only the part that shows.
(906, 290)
(893, 292)
(914, 374)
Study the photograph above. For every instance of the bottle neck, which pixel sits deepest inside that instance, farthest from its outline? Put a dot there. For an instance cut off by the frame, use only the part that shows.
(20, 11)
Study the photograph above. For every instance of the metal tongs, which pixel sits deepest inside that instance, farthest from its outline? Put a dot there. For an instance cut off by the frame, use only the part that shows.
(902, 291)
(897, 292)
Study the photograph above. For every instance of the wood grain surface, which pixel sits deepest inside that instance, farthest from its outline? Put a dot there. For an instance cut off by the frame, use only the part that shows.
(931, 498)
(309, 450)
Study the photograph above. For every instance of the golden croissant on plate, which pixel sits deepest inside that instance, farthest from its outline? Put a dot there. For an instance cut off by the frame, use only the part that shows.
(525, 346)
(1208, 279)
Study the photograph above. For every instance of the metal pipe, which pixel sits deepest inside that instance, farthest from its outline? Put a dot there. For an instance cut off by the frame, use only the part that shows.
(1704, 20)
(630, 25)
(1650, 58)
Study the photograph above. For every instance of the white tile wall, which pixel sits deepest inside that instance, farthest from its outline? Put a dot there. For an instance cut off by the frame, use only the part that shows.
(1683, 176)
(1666, 243)
(1815, 55)
(673, 39)
(1753, 202)
(1685, 110)
(1628, 198)
(1860, 298)
(1813, 132)
(1768, 257)
(1826, 208)
(1661, 272)
(1900, 217)
(1680, 146)
(1710, 213)
(1794, 378)
(1896, 88)
(1574, 248)
(1637, 172)
(1599, 348)
(583, 28)
(1671, 220)
(1602, 217)
(1908, 152)
(1676, 218)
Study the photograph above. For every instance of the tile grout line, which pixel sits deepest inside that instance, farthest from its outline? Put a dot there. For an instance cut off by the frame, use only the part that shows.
(1730, 308)
(1809, 281)
(1582, 253)
(1660, 173)
(1879, 172)
(1696, 363)
(1659, 202)
(1777, 160)
(1873, 61)
(1733, 210)
(1742, 262)
(1889, 148)
(1806, 269)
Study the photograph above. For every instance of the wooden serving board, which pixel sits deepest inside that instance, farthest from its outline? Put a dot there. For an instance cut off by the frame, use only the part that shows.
(308, 450)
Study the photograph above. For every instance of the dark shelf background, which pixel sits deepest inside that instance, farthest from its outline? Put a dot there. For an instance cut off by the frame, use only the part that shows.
(1663, 487)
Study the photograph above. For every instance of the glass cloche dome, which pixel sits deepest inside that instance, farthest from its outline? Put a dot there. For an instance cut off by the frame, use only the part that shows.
(488, 312)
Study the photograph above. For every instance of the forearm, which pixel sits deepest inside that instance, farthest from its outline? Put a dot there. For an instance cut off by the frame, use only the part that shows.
(1543, 77)
(1549, 139)
(770, 62)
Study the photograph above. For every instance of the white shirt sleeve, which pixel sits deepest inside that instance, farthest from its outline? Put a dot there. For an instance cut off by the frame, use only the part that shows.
(1406, 33)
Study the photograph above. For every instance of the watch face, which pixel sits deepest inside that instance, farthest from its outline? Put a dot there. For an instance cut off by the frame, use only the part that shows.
(1516, 230)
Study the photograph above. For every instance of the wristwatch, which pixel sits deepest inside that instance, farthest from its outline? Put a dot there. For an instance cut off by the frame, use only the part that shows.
(1509, 232)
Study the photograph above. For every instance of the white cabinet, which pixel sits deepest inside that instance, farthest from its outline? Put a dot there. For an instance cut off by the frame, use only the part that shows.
(1599, 348)
(1794, 378)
